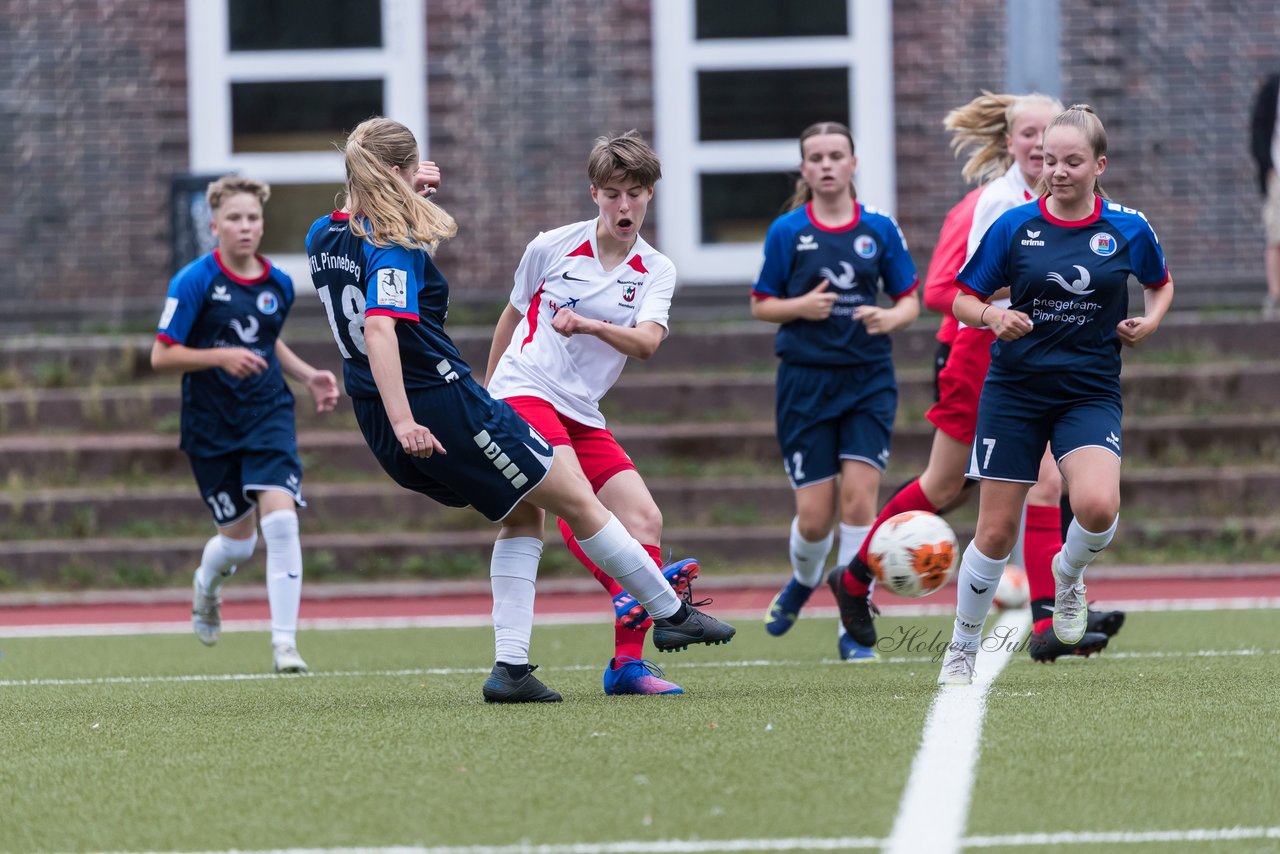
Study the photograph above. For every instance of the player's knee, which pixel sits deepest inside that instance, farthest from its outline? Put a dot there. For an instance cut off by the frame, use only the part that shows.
(1096, 514)
(995, 538)
(644, 522)
(239, 551)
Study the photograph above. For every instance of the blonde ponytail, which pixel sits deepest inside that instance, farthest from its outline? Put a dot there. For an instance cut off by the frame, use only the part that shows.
(385, 210)
(984, 125)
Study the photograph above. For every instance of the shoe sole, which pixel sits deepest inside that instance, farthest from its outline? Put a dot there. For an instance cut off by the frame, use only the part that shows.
(692, 643)
(1083, 651)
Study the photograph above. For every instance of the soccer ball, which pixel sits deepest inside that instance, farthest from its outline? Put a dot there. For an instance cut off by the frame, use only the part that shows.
(1012, 591)
(913, 554)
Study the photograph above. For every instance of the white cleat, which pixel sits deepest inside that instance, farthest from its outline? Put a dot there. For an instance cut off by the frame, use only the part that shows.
(1070, 609)
(958, 666)
(287, 659)
(206, 616)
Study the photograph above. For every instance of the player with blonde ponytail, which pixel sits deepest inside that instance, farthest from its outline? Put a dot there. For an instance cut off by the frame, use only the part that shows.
(435, 430)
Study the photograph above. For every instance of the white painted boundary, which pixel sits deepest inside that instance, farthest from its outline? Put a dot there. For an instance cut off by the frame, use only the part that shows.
(1234, 603)
(848, 843)
(935, 806)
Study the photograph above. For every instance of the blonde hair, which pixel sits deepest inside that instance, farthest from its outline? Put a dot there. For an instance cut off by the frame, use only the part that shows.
(628, 154)
(385, 210)
(984, 124)
(803, 192)
(1083, 118)
(229, 185)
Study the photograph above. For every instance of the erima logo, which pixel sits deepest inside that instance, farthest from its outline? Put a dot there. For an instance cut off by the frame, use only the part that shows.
(1080, 287)
(845, 280)
(446, 370)
(807, 242)
(291, 481)
(1031, 239)
(979, 592)
(500, 460)
(1113, 439)
(220, 294)
(248, 333)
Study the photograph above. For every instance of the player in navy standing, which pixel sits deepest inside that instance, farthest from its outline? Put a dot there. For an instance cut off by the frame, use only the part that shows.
(825, 263)
(1055, 370)
(434, 429)
(221, 328)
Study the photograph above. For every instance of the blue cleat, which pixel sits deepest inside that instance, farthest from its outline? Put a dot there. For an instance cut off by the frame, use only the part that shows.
(680, 575)
(851, 650)
(626, 675)
(784, 610)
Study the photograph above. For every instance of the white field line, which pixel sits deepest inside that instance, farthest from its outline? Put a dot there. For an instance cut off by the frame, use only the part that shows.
(1236, 603)
(935, 806)
(848, 843)
(551, 668)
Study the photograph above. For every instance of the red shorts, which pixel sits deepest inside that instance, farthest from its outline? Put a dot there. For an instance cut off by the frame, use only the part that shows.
(599, 454)
(960, 384)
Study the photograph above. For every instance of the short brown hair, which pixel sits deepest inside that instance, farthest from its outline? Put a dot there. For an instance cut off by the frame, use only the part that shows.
(229, 185)
(628, 154)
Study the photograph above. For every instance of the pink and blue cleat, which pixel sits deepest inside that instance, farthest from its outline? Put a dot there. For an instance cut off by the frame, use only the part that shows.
(626, 675)
(680, 575)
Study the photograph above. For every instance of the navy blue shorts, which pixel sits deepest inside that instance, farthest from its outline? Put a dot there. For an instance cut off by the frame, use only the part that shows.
(227, 482)
(493, 460)
(1017, 418)
(826, 415)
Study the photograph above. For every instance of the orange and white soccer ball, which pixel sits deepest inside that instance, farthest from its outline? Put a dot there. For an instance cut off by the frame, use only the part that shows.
(1013, 591)
(913, 553)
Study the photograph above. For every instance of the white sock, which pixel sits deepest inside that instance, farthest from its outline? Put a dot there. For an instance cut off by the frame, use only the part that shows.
(976, 586)
(284, 574)
(513, 570)
(1019, 554)
(221, 555)
(808, 558)
(1081, 547)
(851, 539)
(622, 557)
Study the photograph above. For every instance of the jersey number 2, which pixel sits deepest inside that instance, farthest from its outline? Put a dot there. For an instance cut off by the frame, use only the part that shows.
(352, 305)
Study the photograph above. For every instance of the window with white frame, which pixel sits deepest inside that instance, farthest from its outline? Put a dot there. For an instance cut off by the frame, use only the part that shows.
(736, 81)
(273, 84)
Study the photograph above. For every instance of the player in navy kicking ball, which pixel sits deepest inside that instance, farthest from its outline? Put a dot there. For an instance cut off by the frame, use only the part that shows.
(1055, 370)
(434, 429)
(221, 328)
(825, 263)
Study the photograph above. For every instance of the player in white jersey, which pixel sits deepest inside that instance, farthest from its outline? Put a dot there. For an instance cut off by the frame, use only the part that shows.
(587, 297)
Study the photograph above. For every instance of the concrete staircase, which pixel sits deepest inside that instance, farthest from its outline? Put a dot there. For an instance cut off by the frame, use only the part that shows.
(94, 493)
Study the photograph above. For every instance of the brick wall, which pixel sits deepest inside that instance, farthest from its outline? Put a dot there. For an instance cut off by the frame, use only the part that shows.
(518, 93)
(93, 106)
(95, 122)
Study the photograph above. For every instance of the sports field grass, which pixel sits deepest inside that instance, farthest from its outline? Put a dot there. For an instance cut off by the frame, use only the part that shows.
(156, 743)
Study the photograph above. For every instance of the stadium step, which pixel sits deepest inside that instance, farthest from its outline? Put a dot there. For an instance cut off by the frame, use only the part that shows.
(763, 498)
(642, 396)
(73, 459)
(434, 554)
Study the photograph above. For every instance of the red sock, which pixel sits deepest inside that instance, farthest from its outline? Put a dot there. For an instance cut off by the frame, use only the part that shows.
(910, 497)
(626, 641)
(1041, 540)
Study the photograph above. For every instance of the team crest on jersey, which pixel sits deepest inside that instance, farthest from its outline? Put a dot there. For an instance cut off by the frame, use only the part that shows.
(267, 303)
(1102, 244)
(630, 293)
(807, 243)
(865, 246)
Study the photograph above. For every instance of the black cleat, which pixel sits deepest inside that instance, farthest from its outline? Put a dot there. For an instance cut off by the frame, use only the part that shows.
(697, 628)
(501, 688)
(1045, 646)
(856, 612)
(1106, 622)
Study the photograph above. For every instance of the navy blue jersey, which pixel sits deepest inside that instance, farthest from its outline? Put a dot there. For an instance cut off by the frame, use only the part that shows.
(858, 259)
(1071, 279)
(209, 306)
(355, 279)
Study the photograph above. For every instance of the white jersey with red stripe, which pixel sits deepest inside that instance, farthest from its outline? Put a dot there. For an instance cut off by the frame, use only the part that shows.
(1004, 193)
(561, 269)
